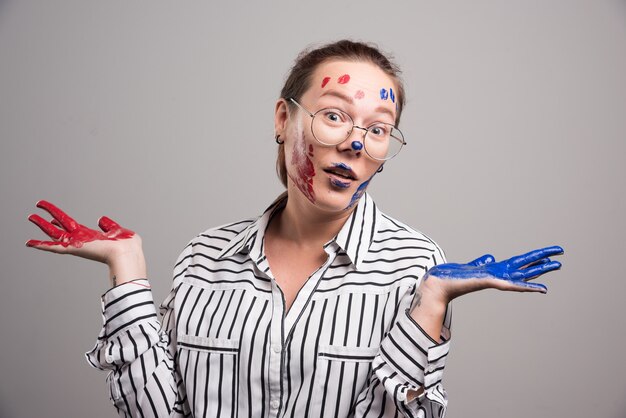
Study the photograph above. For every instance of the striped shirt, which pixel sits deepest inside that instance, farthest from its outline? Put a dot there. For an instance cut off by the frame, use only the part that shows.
(225, 346)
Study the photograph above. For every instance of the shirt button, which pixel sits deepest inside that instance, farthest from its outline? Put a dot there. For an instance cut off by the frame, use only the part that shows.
(277, 349)
(275, 403)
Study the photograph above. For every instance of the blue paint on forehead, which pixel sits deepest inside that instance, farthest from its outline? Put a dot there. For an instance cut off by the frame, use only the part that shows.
(384, 94)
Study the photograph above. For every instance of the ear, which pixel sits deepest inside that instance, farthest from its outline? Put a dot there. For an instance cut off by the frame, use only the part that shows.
(281, 115)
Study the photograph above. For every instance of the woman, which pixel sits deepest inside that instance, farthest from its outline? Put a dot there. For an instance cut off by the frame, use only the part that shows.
(323, 306)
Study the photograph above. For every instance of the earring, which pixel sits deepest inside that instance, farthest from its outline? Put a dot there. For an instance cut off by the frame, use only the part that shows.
(380, 169)
(278, 141)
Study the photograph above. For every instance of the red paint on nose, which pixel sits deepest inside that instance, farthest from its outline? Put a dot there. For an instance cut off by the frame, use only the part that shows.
(325, 81)
(343, 79)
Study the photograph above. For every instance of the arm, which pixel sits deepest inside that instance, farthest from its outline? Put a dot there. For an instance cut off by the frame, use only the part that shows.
(409, 362)
(138, 351)
(144, 380)
(412, 356)
(445, 282)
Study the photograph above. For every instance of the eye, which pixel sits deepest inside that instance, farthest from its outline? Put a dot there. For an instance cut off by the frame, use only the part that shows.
(381, 131)
(333, 116)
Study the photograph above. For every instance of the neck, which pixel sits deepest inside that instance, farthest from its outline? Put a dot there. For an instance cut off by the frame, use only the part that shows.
(306, 225)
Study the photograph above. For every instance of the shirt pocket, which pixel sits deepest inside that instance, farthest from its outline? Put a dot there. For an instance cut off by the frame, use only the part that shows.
(342, 373)
(208, 367)
(208, 345)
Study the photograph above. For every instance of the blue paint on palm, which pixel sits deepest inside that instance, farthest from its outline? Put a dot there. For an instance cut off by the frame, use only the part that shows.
(516, 270)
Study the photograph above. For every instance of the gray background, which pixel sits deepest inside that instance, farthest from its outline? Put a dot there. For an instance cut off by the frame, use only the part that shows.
(160, 116)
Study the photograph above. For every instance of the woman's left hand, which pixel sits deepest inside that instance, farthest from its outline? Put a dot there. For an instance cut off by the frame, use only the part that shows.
(451, 280)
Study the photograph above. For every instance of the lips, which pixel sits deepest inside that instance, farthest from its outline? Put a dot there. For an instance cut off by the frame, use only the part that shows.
(342, 171)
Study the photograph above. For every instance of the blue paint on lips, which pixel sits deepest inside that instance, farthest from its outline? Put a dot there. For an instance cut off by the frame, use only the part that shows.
(339, 183)
(342, 166)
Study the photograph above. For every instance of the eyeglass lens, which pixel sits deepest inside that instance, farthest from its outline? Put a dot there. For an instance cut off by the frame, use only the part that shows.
(333, 126)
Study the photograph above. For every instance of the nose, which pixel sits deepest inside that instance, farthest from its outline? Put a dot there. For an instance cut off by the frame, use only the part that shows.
(354, 142)
(357, 145)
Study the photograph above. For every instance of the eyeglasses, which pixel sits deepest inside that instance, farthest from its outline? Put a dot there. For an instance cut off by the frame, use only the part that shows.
(331, 126)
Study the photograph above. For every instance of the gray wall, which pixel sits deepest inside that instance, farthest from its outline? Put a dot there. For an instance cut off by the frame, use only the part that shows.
(160, 116)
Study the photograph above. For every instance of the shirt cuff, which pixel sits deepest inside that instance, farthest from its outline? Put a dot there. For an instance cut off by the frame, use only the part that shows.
(125, 305)
(414, 355)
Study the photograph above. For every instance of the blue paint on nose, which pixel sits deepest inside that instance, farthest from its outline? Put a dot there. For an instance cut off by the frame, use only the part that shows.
(357, 145)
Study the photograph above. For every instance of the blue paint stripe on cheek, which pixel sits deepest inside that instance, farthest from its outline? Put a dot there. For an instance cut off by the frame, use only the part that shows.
(357, 195)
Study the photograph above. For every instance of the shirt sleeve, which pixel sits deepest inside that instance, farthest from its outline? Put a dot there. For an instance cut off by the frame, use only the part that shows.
(139, 350)
(410, 360)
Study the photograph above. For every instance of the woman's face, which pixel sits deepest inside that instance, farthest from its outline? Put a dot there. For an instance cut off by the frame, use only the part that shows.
(333, 178)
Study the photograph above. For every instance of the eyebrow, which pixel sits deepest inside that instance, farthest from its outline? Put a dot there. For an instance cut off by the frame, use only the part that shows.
(339, 95)
(350, 100)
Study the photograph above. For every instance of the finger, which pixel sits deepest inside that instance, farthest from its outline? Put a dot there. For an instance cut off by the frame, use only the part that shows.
(56, 223)
(533, 256)
(539, 262)
(49, 229)
(540, 269)
(107, 224)
(52, 246)
(532, 287)
(480, 261)
(520, 286)
(64, 219)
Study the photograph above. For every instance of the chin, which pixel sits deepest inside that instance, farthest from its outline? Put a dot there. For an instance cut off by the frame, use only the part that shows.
(336, 200)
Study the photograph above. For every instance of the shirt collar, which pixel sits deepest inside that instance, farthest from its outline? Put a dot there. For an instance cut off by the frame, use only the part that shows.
(354, 237)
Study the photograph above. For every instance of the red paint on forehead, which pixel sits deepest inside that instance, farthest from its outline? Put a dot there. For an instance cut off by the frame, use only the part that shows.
(343, 79)
(359, 94)
(325, 81)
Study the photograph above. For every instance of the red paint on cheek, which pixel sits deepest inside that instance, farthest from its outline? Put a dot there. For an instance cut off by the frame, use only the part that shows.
(325, 81)
(343, 79)
(304, 170)
(359, 94)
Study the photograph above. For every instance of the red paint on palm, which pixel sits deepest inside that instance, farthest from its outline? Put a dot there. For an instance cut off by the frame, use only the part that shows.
(65, 231)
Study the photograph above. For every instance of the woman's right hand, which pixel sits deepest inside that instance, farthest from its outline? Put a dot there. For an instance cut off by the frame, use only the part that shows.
(118, 247)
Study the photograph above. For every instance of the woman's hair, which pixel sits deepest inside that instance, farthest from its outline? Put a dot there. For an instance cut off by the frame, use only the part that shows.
(299, 79)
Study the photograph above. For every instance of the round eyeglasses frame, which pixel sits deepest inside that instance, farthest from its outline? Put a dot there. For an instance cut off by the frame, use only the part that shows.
(366, 131)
